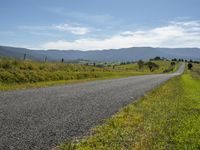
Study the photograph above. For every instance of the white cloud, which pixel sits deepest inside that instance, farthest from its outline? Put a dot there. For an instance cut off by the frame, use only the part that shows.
(194, 23)
(73, 29)
(175, 34)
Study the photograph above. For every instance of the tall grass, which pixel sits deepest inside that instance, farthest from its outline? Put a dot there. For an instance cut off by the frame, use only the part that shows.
(16, 71)
(24, 73)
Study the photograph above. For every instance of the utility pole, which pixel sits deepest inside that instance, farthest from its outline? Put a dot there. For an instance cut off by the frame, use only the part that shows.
(25, 56)
(45, 59)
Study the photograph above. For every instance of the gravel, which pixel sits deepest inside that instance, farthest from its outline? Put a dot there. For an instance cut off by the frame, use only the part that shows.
(41, 118)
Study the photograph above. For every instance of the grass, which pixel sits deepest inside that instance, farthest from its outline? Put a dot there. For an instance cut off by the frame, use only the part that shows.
(19, 74)
(167, 118)
(196, 71)
(15, 86)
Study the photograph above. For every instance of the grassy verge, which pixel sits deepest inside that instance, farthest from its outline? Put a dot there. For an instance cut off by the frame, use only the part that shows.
(18, 74)
(167, 118)
(15, 86)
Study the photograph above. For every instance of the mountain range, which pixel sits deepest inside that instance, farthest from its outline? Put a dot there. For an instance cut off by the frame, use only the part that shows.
(110, 55)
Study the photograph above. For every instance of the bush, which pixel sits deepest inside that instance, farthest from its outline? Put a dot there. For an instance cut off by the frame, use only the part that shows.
(100, 65)
(173, 63)
(152, 66)
(171, 68)
(157, 58)
(6, 64)
(140, 64)
(174, 59)
(7, 77)
(190, 66)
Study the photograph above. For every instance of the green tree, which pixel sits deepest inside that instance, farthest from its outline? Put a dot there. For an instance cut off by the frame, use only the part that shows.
(152, 66)
(140, 64)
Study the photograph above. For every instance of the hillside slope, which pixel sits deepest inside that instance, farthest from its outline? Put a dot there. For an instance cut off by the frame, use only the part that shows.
(125, 54)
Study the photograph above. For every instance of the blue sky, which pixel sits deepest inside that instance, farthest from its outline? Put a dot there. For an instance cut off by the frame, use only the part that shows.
(99, 24)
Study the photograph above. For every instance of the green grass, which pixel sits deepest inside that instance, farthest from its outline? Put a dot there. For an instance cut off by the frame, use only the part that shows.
(18, 74)
(163, 65)
(167, 118)
(196, 71)
(15, 86)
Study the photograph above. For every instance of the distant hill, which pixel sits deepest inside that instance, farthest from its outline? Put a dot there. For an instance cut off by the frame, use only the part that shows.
(124, 54)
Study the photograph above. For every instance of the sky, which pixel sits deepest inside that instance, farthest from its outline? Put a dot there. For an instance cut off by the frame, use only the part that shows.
(99, 24)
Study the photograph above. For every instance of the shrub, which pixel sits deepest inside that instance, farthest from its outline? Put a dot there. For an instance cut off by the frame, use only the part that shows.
(174, 59)
(140, 64)
(171, 68)
(21, 77)
(190, 66)
(100, 65)
(152, 66)
(173, 63)
(7, 77)
(157, 58)
(6, 64)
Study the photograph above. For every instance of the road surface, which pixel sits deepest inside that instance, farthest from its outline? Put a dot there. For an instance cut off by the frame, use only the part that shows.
(41, 118)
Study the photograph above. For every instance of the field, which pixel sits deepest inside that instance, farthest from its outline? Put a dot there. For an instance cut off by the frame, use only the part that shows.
(167, 118)
(18, 74)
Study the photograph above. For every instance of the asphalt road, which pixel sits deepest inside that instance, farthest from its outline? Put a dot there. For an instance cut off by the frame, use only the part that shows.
(41, 118)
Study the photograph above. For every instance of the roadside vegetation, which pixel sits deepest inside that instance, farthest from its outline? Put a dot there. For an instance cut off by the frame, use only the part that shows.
(167, 118)
(17, 74)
